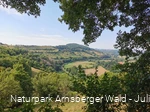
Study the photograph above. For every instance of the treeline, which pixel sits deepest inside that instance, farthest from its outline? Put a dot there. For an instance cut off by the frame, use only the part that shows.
(109, 65)
(73, 47)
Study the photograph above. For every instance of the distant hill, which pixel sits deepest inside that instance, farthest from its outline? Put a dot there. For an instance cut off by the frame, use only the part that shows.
(1, 44)
(54, 57)
(73, 46)
(109, 51)
(74, 51)
(71, 50)
(42, 57)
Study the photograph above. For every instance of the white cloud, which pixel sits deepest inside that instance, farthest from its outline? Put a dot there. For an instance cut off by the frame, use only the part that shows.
(9, 11)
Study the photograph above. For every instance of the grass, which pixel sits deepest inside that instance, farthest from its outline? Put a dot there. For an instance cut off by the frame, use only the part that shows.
(84, 64)
(73, 107)
(35, 71)
(101, 71)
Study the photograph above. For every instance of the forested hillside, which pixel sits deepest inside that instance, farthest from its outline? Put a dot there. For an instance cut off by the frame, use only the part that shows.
(39, 70)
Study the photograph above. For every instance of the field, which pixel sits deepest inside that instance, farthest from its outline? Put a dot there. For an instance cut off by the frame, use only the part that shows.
(101, 70)
(85, 64)
(89, 67)
(35, 71)
(73, 107)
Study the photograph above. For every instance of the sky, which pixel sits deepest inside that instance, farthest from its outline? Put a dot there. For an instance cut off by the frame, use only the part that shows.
(21, 29)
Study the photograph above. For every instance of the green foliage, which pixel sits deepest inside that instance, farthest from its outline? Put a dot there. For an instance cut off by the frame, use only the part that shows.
(73, 70)
(15, 75)
(51, 83)
(64, 84)
(8, 86)
(7, 62)
(94, 86)
(23, 77)
(96, 16)
(137, 82)
(26, 107)
(11, 51)
(29, 7)
(46, 83)
(48, 58)
(44, 57)
(73, 47)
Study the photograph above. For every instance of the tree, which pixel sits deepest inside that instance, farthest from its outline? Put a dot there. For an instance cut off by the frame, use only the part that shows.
(46, 83)
(8, 86)
(94, 86)
(97, 15)
(137, 82)
(23, 77)
(31, 7)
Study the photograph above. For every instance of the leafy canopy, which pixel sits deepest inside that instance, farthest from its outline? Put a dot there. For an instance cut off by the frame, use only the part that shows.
(31, 7)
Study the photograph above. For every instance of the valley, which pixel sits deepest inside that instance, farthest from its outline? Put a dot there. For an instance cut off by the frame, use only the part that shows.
(42, 70)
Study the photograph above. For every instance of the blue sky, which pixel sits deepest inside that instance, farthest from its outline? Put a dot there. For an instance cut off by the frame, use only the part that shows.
(20, 29)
